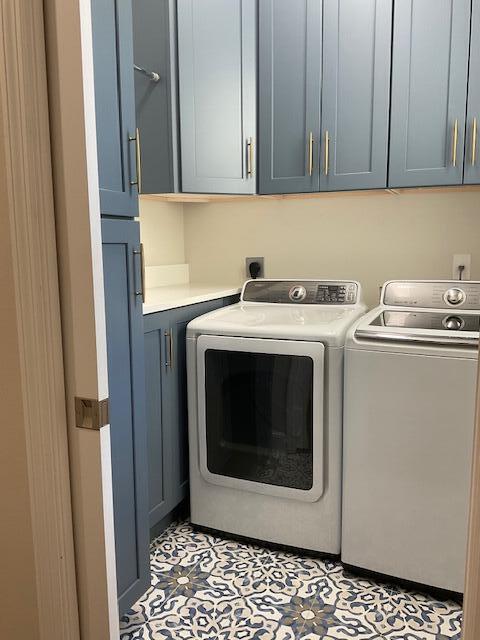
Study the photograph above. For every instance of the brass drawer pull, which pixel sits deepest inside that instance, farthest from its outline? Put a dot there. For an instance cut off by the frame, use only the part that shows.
(474, 142)
(169, 340)
(140, 252)
(311, 142)
(327, 152)
(455, 143)
(138, 160)
(250, 151)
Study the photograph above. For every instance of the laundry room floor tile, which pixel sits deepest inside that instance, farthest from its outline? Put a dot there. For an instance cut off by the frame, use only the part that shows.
(205, 587)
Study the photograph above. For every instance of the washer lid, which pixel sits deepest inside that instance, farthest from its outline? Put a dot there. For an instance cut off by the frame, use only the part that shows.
(437, 327)
(289, 322)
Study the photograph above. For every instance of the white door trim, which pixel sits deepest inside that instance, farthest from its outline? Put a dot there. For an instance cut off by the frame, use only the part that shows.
(25, 146)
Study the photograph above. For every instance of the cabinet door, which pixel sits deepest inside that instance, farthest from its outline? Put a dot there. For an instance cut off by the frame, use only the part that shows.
(176, 403)
(115, 106)
(175, 417)
(127, 407)
(429, 92)
(158, 454)
(155, 102)
(472, 159)
(290, 54)
(217, 86)
(355, 94)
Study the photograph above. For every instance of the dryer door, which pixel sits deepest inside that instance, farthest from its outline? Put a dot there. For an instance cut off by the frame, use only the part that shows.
(260, 406)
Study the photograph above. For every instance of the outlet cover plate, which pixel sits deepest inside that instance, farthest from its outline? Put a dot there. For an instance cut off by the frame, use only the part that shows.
(248, 262)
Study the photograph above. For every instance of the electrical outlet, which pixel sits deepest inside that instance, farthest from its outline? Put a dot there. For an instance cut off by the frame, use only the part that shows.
(464, 260)
(249, 261)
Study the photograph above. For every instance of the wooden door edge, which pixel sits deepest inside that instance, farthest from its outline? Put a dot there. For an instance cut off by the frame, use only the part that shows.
(25, 146)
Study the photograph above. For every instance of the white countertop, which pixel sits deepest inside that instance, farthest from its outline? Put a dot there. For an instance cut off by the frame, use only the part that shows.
(181, 295)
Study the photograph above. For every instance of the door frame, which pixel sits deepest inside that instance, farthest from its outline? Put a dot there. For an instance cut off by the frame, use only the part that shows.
(83, 575)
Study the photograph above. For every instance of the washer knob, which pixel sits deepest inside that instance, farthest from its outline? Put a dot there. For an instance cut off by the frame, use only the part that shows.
(454, 323)
(454, 296)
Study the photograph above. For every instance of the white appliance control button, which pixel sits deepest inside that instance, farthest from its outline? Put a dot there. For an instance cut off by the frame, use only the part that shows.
(297, 293)
(454, 296)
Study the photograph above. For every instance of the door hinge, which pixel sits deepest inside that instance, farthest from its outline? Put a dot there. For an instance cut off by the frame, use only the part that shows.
(91, 414)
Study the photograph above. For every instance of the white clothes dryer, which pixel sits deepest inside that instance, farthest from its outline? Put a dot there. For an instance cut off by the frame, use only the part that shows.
(265, 387)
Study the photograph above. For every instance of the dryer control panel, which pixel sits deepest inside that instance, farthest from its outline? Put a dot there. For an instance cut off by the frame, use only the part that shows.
(438, 294)
(327, 292)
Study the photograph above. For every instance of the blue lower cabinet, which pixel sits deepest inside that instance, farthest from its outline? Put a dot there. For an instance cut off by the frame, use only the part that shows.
(166, 396)
(128, 432)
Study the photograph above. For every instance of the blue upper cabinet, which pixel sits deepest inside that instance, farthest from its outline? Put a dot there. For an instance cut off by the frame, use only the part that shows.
(429, 92)
(290, 57)
(115, 107)
(154, 47)
(217, 88)
(126, 382)
(472, 149)
(355, 94)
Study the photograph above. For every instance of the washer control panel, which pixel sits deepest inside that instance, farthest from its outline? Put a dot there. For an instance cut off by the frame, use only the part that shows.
(325, 292)
(439, 294)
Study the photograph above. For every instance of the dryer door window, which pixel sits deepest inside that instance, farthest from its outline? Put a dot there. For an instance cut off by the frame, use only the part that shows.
(260, 406)
(259, 417)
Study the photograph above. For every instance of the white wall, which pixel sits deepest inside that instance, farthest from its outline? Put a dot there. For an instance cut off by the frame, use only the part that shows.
(371, 238)
(162, 232)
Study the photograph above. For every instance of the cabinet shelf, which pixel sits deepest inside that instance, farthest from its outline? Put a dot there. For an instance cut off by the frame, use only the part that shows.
(206, 198)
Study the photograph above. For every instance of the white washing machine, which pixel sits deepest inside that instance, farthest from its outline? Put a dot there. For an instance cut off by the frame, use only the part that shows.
(410, 384)
(265, 387)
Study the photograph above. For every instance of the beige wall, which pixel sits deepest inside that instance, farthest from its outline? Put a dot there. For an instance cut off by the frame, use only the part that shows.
(162, 232)
(370, 238)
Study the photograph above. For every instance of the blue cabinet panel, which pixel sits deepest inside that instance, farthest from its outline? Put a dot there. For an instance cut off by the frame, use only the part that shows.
(154, 46)
(290, 61)
(157, 447)
(429, 92)
(126, 380)
(115, 106)
(355, 94)
(472, 149)
(217, 88)
(166, 384)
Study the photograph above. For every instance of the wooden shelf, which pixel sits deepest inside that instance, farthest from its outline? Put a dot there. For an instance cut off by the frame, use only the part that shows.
(205, 198)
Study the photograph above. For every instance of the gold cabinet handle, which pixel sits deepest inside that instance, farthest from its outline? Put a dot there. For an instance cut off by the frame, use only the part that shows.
(140, 252)
(455, 143)
(169, 339)
(138, 160)
(311, 142)
(474, 142)
(327, 152)
(250, 151)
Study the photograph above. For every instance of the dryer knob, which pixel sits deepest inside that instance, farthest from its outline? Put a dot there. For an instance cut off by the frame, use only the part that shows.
(297, 293)
(454, 296)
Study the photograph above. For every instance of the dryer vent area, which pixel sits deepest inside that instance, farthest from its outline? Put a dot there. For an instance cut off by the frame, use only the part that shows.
(207, 586)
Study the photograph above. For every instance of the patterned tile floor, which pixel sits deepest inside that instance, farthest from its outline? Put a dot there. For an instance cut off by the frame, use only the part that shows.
(207, 588)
